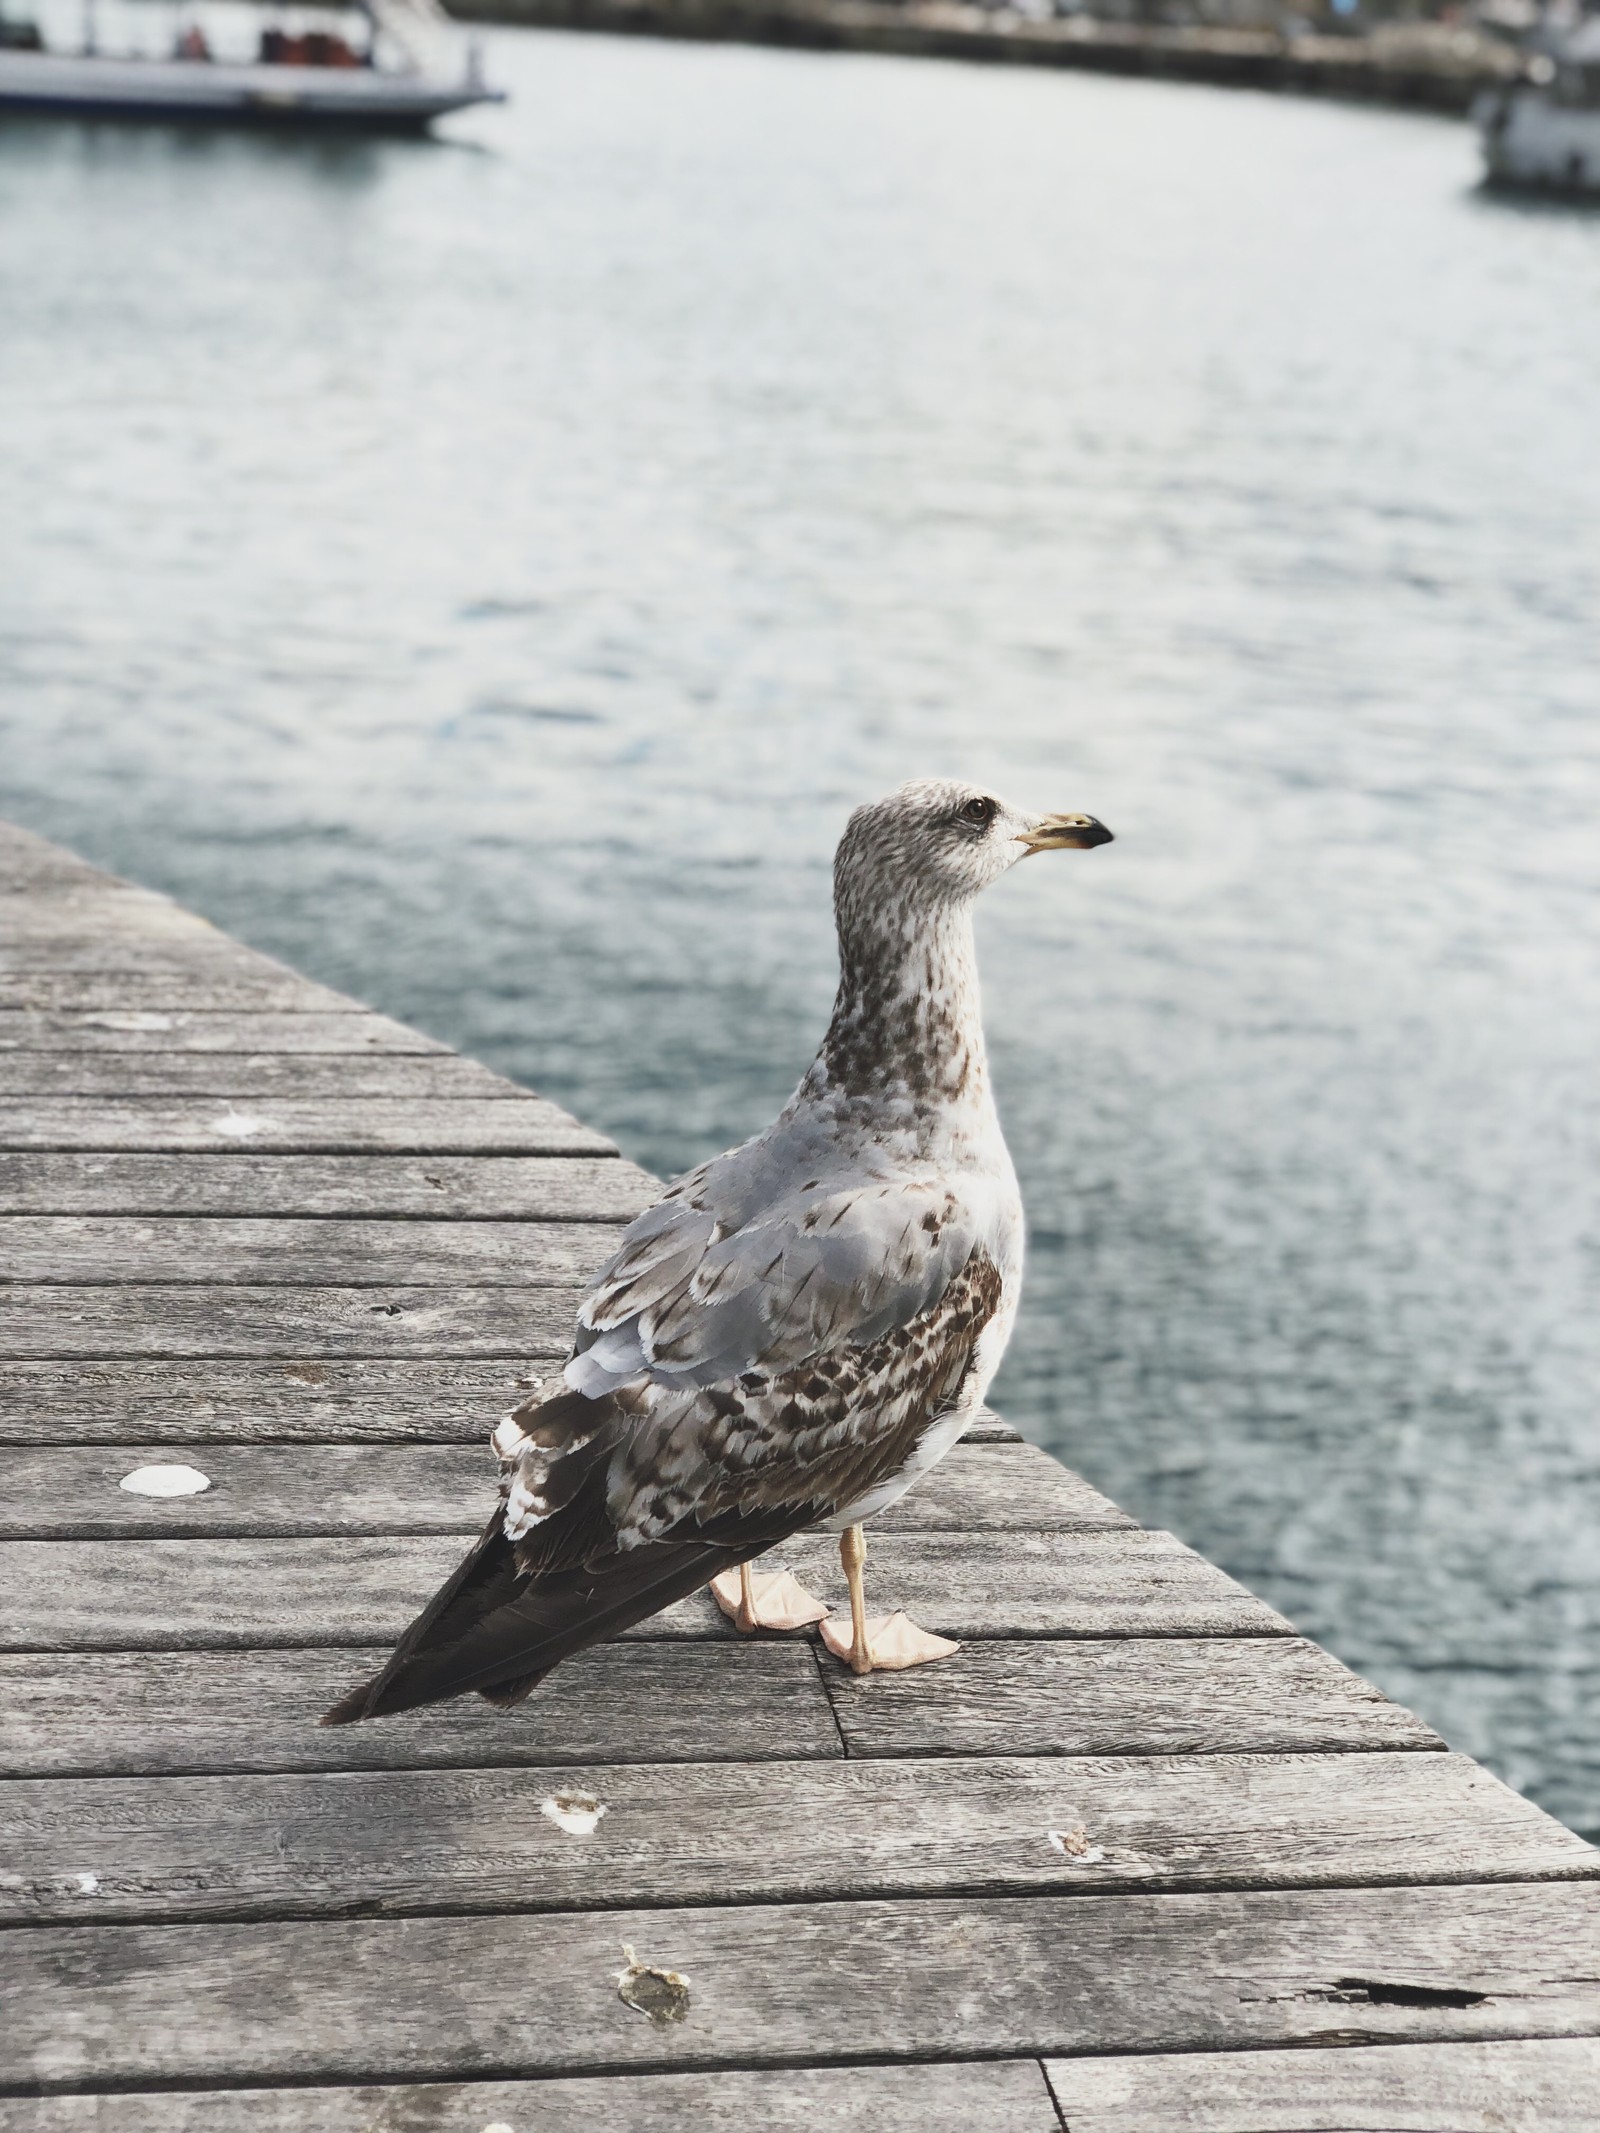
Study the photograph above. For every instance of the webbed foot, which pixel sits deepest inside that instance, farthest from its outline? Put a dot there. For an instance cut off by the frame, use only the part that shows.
(765, 1599)
(892, 1641)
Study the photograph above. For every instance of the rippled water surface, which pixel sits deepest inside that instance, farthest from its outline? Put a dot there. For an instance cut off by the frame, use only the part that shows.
(486, 573)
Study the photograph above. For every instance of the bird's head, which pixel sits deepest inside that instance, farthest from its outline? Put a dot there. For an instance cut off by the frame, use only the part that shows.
(940, 841)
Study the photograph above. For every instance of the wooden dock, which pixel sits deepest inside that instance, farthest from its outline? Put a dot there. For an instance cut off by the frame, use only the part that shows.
(1138, 1859)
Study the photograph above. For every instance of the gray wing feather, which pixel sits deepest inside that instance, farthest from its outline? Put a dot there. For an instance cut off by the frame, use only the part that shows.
(723, 1277)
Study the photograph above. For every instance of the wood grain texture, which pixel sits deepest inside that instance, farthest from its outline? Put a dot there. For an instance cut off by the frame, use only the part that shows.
(193, 955)
(575, 1186)
(388, 1255)
(259, 988)
(985, 2096)
(1128, 1582)
(1122, 1695)
(303, 1399)
(176, 1595)
(1548, 2085)
(114, 915)
(988, 1428)
(290, 1252)
(89, 1713)
(272, 1490)
(442, 1998)
(157, 1714)
(408, 1843)
(31, 864)
(331, 1126)
(253, 1077)
(131, 1035)
(65, 1322)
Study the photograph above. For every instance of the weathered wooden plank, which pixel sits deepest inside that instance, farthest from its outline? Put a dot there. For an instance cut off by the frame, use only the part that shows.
(576, 1187)
(302, 1400)
(156, 1319)
(111, 913)
(175, 1595)
(161, 1714)
(979, 2096)
(251, 1078)
(1138, 1695)
(94, 1713)
(132, 1033)
(155, 1595)
(114, 926)
(988, 1428)
(1543, 2085)
(1125, 1582)
(435, 1998)
(32, 865)
(412, 1842)
(274, 1490)
(260, 988)
(263, 1490)
(524, 1125)
(192, 952)
(288, 1251)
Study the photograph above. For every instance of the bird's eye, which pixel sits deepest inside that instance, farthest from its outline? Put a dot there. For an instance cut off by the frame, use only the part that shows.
(981, 812)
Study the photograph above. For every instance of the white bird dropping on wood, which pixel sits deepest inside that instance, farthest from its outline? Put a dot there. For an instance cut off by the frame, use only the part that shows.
(240, 1125)
(165, 1481)
(578, 1813)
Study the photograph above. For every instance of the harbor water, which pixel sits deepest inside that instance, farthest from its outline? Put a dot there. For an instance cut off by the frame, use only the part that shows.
(486, 571)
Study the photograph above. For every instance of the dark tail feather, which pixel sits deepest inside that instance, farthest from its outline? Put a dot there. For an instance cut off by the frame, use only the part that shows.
(482, 1581)
(493, 1629)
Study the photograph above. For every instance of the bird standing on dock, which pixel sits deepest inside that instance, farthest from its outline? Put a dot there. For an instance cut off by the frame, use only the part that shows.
(796, 1330)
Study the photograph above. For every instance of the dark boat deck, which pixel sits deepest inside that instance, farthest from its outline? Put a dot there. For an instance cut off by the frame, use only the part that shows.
(1137, 1859)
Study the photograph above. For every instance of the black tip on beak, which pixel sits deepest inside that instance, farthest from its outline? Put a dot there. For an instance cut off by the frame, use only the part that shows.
(1065, 833)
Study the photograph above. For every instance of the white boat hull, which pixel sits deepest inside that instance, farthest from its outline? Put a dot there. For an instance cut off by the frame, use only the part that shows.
(1531, 140)
(194, 89)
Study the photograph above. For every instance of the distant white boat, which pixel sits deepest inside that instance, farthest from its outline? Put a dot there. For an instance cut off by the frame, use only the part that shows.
(1544, 131)
(409, 67)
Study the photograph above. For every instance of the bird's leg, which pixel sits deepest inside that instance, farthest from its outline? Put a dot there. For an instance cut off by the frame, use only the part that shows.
(888, 1641)
(766, 1599)
(853, 1556)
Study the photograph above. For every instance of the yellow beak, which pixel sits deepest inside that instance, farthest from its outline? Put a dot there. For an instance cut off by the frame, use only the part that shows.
(1065, 833)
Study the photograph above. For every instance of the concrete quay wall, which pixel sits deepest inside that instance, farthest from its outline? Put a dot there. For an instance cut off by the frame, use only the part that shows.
(1430, 69)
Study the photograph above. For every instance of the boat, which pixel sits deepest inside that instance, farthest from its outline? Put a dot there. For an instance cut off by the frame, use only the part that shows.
(403, 67)
(1542, 132)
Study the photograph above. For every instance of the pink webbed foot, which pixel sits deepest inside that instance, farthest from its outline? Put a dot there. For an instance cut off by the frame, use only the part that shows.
(893, 1641)
(765, 1599)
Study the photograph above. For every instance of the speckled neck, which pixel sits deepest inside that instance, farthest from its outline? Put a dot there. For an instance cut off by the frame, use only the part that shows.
(906, 1019)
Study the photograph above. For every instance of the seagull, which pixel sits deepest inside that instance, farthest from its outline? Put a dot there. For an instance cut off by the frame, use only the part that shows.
(796, 1331)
